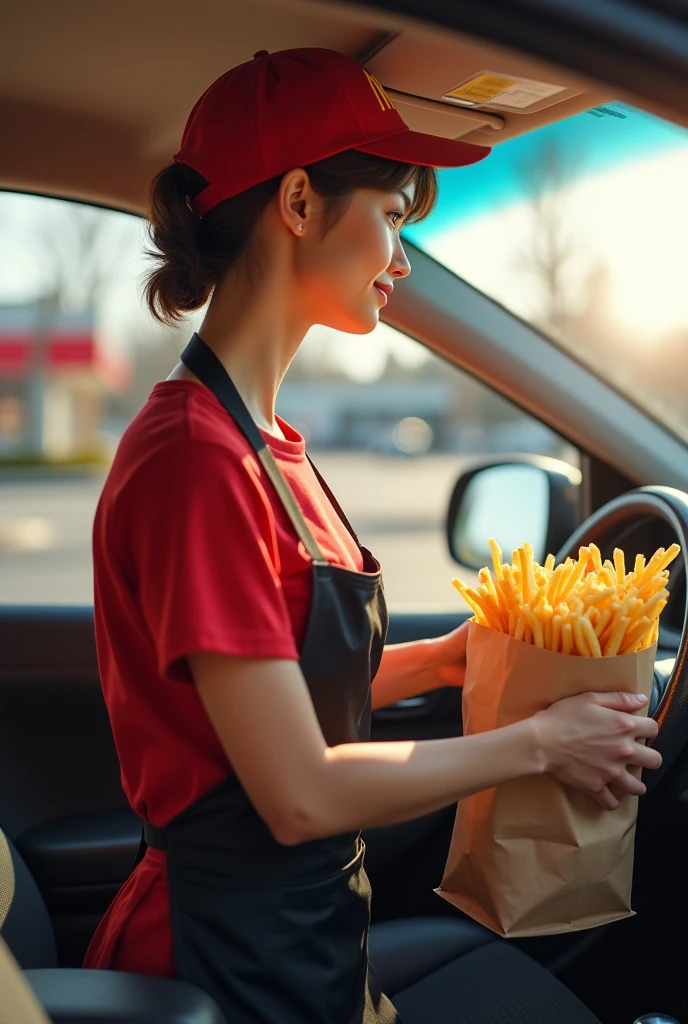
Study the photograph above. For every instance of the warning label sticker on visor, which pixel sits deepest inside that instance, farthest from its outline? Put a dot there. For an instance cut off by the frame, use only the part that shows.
(487, 89)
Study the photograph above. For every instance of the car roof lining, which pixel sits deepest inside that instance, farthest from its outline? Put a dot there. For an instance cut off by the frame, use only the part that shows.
(93, 98)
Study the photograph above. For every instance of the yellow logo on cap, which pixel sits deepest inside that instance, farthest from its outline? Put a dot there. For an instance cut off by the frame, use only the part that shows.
(380, 94)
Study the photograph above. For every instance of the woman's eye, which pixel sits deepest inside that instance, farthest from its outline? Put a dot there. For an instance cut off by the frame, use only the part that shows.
(395, 213)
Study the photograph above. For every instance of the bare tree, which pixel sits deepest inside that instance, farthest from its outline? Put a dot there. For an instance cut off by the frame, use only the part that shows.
(78, 248)
(551, 249)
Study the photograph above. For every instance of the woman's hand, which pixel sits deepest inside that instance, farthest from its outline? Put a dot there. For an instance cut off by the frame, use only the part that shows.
(418, 666)
(449, 657)
(589, 740)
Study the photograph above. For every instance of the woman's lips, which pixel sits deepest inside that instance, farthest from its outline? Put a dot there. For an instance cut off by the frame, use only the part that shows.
(380, 292)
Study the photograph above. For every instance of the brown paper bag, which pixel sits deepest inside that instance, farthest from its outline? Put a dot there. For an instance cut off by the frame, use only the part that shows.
(533, 856)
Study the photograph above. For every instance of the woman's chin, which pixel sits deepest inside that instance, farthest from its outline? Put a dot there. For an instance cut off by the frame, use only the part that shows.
(363, 322)
(368, 319)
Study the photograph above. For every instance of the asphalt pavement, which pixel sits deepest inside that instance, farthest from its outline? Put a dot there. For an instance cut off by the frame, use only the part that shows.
(396, 504)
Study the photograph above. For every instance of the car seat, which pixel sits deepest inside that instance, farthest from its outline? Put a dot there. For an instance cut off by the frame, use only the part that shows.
(431, 967)
(70, 995)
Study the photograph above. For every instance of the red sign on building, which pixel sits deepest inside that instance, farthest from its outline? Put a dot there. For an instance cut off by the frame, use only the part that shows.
(70, 344)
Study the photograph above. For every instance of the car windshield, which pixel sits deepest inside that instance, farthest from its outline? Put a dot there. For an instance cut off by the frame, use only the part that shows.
(580, 229)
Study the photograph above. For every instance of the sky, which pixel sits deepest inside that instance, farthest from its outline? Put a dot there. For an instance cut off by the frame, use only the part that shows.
(593, 142)
(633, 218)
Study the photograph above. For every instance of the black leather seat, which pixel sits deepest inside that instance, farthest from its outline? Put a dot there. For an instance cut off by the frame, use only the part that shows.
(433, 969)
(74, 995)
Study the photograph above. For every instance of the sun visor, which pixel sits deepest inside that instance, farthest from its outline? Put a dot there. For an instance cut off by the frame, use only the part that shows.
(474, 91)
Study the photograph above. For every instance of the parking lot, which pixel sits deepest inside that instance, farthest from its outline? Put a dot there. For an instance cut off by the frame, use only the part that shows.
(396, 504)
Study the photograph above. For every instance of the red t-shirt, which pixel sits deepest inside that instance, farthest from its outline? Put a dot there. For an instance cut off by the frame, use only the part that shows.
(192, 551)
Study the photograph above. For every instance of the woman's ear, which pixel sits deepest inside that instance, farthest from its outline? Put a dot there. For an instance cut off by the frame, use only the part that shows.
(295, 200)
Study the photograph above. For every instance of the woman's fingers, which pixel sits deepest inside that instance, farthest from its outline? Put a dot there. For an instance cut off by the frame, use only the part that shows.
(645, 728)
(645, 757)
(606, 799)
(618, 700)
(624, 782)
(611, 795)
(627, 783)
(597, 749)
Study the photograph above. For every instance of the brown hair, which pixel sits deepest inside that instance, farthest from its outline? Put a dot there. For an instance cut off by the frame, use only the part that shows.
(192, 254)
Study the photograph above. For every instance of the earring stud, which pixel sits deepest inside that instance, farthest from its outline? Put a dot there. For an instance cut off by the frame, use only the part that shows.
(300, 227)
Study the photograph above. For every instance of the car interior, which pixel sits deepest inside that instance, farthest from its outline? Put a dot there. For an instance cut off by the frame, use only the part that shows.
(94, 100)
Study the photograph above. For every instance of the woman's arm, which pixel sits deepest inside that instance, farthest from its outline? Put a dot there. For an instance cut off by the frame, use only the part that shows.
(303, 790)
(263, 714)
(412, 668)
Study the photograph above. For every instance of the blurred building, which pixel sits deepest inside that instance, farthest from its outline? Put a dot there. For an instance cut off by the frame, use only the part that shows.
(55, 380)
(444, 413)
(334, 414)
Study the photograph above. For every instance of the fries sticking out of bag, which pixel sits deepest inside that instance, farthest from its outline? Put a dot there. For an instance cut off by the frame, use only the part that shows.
(586, 607)
(509, 864)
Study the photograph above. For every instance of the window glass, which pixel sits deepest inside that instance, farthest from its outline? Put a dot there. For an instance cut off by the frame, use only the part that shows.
(580, 228)
(389, 424)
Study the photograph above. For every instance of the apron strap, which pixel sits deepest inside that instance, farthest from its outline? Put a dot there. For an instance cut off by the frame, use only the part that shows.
(335, 504)
(202, 361)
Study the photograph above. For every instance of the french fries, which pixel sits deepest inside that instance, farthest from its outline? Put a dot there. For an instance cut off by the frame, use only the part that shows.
(585, 607)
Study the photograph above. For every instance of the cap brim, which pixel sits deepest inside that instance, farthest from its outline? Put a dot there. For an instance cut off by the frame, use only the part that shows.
(430, 150)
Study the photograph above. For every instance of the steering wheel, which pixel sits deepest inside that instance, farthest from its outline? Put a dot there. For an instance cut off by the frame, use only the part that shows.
(603, 528)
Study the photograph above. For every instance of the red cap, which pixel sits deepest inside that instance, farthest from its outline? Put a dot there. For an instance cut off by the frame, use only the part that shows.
(293, 107)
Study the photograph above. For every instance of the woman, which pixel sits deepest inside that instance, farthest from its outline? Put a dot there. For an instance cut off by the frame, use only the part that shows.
(239, 623)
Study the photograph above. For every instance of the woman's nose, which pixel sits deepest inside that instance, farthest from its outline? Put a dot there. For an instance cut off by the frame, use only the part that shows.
(400, 266)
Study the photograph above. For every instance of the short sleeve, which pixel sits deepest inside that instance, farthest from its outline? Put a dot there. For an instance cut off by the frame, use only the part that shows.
(203, 556)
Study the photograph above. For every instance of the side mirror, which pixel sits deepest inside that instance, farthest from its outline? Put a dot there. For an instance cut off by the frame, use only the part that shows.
(515, 499)
(656, 1018)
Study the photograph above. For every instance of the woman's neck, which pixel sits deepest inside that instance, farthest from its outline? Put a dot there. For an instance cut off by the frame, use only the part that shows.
(255, 332)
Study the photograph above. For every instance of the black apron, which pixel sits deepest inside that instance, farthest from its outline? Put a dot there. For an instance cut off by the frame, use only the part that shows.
(279, 934)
